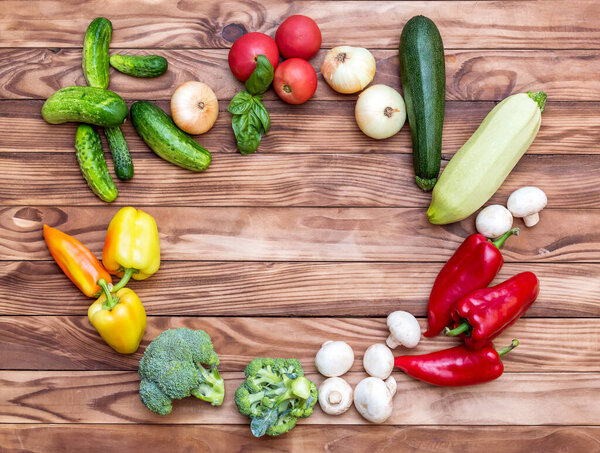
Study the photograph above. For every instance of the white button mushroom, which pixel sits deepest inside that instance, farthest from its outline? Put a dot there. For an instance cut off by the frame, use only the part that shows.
(373, 399)
(378, 361)
(391, 384)
(527, 202)
(493, 221)
(404, 330)
(335, 396)
(334, 358)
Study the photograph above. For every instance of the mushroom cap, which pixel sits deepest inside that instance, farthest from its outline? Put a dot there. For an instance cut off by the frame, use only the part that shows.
(334, 358)
(378, 361)
(335, 384)
(373, 399)
(405, 328)
(526, 201)
(493, 221)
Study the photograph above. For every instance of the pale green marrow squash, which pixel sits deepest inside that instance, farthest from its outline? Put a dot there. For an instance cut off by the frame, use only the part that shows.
(480, 167)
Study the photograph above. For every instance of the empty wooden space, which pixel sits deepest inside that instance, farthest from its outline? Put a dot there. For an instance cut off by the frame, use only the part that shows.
(317, 236)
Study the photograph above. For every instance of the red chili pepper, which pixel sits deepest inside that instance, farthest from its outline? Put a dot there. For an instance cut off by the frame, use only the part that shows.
(474, 265)
(483, 314)
(455, 367)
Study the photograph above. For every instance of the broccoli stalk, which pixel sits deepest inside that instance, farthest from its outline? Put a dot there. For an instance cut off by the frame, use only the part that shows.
(274, 395)
(211, 387)
(172, 368)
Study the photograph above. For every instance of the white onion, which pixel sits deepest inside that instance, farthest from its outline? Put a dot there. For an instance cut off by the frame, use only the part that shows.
(348, 69)
(380, 111)
(194, 107)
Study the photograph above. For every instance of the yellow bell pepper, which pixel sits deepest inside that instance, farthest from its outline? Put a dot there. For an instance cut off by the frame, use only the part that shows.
(119, 318)
(131, 247)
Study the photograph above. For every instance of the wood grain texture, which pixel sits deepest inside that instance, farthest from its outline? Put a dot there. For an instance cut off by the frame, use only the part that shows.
(465, 24)
(71, 343)
(42, 438)
(301, 234)
(470, 74)
(380, 180)
(112, 397)
(316, 127)
(286, 289)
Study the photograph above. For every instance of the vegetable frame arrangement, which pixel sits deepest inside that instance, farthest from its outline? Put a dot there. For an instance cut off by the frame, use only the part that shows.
(181, 363)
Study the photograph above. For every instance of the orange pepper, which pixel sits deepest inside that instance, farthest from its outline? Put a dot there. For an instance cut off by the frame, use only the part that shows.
(76, 261)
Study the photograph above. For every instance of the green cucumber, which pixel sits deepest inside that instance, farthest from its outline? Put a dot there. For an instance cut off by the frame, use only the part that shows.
(90, 105)
(423, 73)
(164, 138)
(139, 65)
(482, 164)
(95, 56)
(92, 164)
(120, 153)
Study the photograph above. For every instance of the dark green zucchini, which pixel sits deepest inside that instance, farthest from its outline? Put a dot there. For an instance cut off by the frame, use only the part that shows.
(92, 164)
(164, 138)
(423, 73)
(90, 105)
(120, 153)
(139, 65)
(95, 58)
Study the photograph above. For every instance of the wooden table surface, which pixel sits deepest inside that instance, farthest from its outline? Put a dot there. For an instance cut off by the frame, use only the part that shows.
(317, 236)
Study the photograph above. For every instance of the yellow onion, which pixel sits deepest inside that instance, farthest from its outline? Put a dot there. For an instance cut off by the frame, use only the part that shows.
(348, 69)
(194, 107)
(380, 111)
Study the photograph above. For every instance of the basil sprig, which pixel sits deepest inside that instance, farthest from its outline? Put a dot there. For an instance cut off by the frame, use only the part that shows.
(250, 117)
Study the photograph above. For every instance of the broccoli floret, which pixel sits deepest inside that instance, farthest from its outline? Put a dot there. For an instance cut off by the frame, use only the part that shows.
(283, 425)
(173, 367)
(274, 395)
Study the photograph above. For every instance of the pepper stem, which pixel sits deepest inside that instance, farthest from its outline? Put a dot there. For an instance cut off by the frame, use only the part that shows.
(124, 280)
(500, 241)
(509, 348)
(110, 302)
(462, 328)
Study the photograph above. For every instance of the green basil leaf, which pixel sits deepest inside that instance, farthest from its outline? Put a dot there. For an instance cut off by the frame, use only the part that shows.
(247, 134)
(262, 114)
(241, 103)
(262, 77)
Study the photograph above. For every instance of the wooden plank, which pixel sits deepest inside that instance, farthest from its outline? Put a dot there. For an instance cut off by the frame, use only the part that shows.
(43, 438)
(71, 343)
(112, 397)
(317, 127)
(284, 289)
(301, 234)
(381, 180)
(467, 24)
(470, 74)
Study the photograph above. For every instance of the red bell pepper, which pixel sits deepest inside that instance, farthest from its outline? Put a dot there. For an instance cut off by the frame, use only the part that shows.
(483, 314)
(455, 367)
(474, 265)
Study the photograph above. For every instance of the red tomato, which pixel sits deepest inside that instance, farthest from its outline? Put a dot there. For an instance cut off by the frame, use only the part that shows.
(298, 37)
(295, 81)
(243, 53)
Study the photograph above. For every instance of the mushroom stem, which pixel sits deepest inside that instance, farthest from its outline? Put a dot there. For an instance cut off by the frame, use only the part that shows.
(532, 219)
(334, 397)
(391, 384)
(391, 342)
